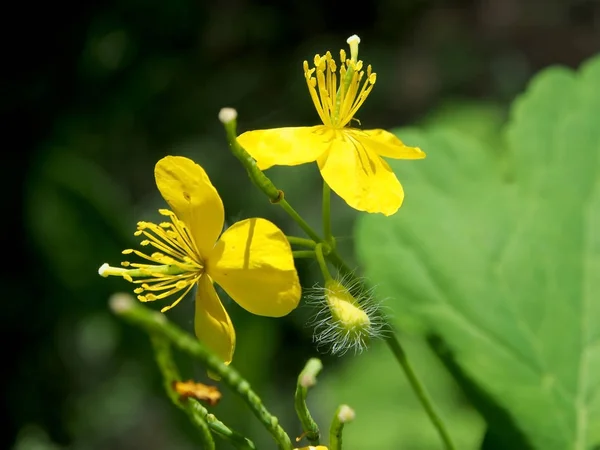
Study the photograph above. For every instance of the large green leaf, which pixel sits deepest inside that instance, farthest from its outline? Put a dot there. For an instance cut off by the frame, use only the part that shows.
(497, 251)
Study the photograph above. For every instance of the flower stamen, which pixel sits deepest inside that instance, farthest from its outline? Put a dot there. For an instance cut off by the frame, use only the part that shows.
(180, 230)
(336, 105)
(177, 266)
(175, 250)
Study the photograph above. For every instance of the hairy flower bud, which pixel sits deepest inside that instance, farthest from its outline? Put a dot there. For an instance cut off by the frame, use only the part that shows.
(345, 309)
(344, 321)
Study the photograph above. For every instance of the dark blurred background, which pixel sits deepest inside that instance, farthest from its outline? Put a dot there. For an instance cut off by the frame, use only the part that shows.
(94, 93)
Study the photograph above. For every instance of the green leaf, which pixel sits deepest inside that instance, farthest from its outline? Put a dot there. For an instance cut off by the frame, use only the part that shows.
(497, 252)
(502, 432)
(479, 119)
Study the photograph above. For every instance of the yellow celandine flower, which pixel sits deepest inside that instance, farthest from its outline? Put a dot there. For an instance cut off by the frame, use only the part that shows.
(349, 158)
(312, 447)
(252, 260)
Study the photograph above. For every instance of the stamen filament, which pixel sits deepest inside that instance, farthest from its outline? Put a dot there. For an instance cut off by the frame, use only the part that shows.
(165, 232)
(176, 267)
(152, 297)
(182, 231)
(153, 240)
(337, 105)
(311, 83)
(166, 308)
(156, 257)
(161, 286)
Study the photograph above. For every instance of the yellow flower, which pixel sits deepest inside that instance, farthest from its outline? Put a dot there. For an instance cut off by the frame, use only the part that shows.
(311, 447)
(252, 260)
(349, 158)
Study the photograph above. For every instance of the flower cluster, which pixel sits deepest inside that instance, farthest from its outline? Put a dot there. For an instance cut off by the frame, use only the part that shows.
(252, 260)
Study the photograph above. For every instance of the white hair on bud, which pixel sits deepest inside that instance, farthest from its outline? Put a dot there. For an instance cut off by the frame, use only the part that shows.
(329, 335)
(226, 115)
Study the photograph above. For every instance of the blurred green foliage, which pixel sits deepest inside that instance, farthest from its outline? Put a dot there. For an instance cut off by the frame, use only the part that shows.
(498, 247)
(111, 87)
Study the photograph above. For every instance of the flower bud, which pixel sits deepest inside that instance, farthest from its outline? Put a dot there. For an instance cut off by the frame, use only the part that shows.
(345, 309)
(344, 322)
(345, 414)
(227, 115)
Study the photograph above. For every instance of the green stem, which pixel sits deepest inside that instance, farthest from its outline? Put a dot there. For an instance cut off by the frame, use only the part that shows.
(327, 214)
(306, 379)
(398, 351)
(322, 263)
(394, 344)
(303, 242)
(343, 415)
(219, 428)
(154, 322)
(162, 353)
(299, 220)
(334, 257)
(304, 254)
(276, 196)
(396, 348)
(207, 441)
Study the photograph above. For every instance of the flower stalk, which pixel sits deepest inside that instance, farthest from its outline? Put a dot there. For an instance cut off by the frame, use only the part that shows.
(162, 353)
(327, 214)
(343, 415)
(197, 413)
(399, 353)
(394, 344)
(306, 380)
(304, 254)
(261, 180)
(301, 242)
(220, 429)
(157, 324)
(228, 117)
(322, 263)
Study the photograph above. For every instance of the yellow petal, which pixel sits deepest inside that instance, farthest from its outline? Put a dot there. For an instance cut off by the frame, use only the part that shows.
(386, 144)
(310, 447)
(358, 175)
(253, 262)
(212, 323)
(187, 189)
(284, 146)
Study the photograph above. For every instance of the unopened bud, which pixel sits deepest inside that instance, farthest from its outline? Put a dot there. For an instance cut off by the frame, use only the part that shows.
(345, 308)
(346, 414)
(344, 322)
(226, 115)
